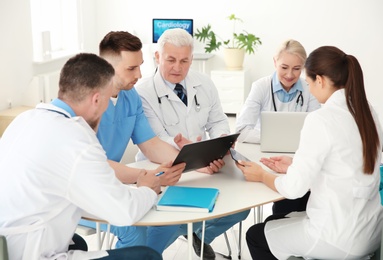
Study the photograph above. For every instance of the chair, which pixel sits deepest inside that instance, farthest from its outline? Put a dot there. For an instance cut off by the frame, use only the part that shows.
(101, 235)
(258, 213)
(377, 255)
(3, 248)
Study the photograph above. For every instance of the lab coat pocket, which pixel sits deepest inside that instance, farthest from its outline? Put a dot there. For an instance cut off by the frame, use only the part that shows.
(365, 192)
(203, 116)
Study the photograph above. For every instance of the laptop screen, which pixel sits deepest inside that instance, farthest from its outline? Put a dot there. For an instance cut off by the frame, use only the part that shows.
(160, 25)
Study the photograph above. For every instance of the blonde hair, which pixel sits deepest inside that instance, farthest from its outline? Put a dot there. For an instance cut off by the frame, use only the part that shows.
(293, 47)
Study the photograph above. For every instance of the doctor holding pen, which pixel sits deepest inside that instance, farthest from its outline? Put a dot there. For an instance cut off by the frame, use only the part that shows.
(177, 100)
(53, 168)
(338, 160)
(124, 120)
(284, 90)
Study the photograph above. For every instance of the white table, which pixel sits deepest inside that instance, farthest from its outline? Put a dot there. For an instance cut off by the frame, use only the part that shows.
(236, 194)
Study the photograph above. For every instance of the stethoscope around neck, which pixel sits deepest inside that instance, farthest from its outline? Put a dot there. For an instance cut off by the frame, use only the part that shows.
(167, 116)
(197, 105)
(300, 98)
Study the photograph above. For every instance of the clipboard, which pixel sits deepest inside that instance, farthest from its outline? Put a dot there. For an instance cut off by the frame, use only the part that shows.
(201, 154)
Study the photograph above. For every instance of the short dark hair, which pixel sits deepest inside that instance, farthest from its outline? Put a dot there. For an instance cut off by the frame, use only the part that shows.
(83, 74)
(115, 42)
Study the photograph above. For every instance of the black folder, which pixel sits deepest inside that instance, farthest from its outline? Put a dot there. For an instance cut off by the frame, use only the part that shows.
(201, 154)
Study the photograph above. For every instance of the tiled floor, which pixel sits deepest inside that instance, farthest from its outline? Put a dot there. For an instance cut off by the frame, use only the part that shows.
(179, 249)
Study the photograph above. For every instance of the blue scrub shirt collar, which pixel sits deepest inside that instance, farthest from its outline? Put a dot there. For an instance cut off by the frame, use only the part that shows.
(61, 104)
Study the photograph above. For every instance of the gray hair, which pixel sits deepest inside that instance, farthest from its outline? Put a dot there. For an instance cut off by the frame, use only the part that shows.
(177, 37)
(292, 47)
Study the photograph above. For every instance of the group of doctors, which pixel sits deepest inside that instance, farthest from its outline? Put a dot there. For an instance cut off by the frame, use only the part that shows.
(158, 132)
(151, 114)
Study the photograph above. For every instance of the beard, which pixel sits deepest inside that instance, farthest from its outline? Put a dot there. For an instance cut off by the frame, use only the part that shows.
(94, 124)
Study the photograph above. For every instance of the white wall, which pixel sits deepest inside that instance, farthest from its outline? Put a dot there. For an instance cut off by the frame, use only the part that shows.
(355, 26)
(352, 25)
(16, 66)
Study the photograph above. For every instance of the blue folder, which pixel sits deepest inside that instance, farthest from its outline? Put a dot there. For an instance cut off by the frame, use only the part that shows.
(191, 199)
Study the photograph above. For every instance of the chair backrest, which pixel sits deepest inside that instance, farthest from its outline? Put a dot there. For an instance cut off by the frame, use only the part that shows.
(3, 248)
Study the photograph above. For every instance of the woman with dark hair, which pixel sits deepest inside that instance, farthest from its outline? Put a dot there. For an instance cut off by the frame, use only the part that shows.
(337, 160)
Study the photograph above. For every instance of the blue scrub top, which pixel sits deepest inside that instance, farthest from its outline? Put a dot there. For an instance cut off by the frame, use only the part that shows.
(121, 122)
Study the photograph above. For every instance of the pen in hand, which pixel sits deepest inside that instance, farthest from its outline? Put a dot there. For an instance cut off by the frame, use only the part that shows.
(159, 173)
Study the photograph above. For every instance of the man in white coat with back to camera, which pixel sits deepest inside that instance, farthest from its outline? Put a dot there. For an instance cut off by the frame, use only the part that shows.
(179, 100)
(53, 169)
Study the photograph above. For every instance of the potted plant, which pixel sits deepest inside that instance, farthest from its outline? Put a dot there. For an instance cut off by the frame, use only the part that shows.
(241, 43)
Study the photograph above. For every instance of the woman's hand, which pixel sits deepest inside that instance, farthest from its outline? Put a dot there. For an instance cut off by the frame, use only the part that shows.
(278, 163)
(254, 172)
(251, 170)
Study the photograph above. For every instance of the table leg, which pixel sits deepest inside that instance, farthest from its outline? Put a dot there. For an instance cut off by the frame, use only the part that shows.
(190, 240)
(108, 237)
(202, 239)
(98, 232)
(258, 214)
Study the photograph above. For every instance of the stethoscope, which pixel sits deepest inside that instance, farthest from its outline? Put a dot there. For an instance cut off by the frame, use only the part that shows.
(168, 117)
(300, 98)
(197, 105)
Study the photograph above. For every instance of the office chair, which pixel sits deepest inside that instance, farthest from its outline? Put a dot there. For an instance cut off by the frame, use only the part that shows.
(3, 248)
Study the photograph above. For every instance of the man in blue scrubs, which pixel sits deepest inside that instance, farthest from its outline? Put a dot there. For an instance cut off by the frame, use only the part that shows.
(123, 120)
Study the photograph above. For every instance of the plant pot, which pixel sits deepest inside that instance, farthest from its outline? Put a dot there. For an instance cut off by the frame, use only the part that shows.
(234, 58)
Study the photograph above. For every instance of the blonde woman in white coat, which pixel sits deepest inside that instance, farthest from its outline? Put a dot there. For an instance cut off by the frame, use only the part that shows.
(338, 160)
(284, 90)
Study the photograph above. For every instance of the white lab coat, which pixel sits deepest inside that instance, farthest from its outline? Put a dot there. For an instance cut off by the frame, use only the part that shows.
(172, 117)
(52, 170)
(344, 214)
(259, 99)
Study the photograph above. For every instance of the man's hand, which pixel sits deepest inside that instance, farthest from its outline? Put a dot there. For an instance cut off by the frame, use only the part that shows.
(181, 141)
(171, 175)
(149, 180)
(278, 163)
(214, 166)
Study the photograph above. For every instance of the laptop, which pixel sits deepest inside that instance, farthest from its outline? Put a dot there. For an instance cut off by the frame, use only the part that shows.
(200, 154)
(280, 131)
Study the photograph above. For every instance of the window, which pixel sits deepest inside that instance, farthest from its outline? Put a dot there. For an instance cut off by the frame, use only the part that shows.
(56, 28)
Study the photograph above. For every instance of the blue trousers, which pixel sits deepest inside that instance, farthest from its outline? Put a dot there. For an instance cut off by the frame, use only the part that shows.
(160, 237)
(129, 253)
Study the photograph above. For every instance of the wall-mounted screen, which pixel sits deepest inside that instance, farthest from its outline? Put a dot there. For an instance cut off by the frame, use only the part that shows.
(160, 25)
